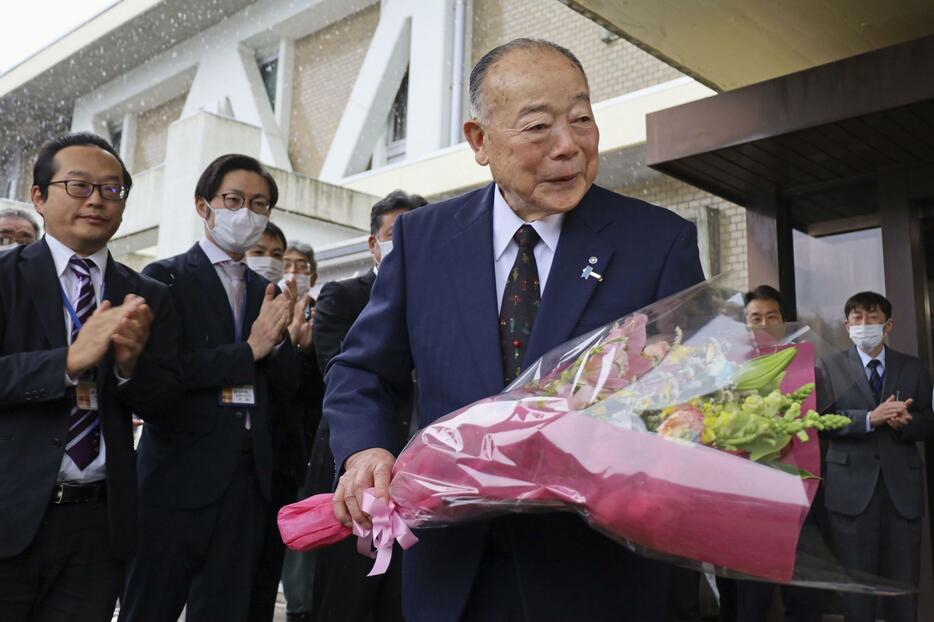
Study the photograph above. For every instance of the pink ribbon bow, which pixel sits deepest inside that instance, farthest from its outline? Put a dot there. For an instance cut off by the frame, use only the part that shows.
(387, 528)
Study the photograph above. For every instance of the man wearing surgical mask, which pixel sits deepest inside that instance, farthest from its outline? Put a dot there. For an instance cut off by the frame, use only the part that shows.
(17, 227)
(265, 258)
(205, 480)
(873, 484)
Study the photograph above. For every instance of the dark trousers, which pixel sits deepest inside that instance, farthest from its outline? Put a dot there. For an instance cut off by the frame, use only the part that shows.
(343, 593)
(883, 542)
(67, 573)
(501, 593)
(754, 600)
(206, 556)
(272, 553)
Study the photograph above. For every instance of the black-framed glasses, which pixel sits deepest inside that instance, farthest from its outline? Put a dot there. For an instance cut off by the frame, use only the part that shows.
(83, 189)
(234, 201)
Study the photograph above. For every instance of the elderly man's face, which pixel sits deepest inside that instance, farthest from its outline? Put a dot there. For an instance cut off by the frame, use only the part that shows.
(16, 231)
(538, 135)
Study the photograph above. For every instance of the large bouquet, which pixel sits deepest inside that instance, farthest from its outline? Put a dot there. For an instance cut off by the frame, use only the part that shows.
(675, 430)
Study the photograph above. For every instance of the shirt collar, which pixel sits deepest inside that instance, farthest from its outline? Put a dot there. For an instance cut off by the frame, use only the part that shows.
(865, 358)
(61, 255)
(214, 252)
(506, 223)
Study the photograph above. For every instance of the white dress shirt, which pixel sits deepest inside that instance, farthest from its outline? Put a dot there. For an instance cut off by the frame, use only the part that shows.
(61, 254)
(865, 358)
(505, 248)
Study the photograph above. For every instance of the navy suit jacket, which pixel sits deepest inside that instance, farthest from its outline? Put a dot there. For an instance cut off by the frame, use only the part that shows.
(434, 308)
(188, 460)
(35, 407)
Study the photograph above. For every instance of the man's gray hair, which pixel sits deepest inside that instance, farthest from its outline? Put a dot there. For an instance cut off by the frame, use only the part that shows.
(18, 212)
(307, 251)
(478, 108)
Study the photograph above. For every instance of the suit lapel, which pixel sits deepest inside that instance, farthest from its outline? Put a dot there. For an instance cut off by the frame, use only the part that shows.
(468, 261)
(116, 286)
(38, 272)
(893, 367)
(255, 291)
(210, 285)
(566, 292)
(859, 372)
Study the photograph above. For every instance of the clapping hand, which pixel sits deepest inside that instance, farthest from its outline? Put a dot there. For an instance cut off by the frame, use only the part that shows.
(124, 326)
(300, 328)
(273, 320)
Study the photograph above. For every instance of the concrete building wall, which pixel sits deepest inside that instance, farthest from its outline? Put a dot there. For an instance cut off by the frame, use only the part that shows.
(326, 65)
(152, 129)
(613, 68)
(681, 198)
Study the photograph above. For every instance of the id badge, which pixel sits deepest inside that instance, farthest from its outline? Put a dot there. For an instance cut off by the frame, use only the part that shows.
(238, 396)
(86, 395)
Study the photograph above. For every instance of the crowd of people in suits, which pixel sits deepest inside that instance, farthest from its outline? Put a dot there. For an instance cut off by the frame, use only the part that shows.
(254, 394)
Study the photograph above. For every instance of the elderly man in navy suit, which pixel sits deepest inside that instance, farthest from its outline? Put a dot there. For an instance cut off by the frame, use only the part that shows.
(490, 281)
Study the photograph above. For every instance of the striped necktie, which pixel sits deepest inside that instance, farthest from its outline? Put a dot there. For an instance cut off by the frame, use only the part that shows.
(84, 432)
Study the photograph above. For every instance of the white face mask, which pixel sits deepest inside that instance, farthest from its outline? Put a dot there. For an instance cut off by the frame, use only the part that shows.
(237, 231)
(302, 282)
(269, 267)
(385, 247)
(867, 337)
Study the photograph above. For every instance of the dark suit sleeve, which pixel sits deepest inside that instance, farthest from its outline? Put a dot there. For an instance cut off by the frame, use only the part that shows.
(157, 382)
(333, 318)
(210, 368)
(682, 265)
(829, 387)
(283, 370)
(30, 376)
(367, 382)
(922, 418)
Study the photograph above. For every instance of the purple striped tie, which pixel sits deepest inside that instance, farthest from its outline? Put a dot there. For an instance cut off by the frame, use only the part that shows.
(84, 430)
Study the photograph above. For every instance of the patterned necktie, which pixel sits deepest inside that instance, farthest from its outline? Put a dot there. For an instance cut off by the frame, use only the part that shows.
(520, 304)
(84, 432)
(235, 293)
(875, 380)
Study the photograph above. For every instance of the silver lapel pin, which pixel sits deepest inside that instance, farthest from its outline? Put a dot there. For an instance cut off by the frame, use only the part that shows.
(588, 272)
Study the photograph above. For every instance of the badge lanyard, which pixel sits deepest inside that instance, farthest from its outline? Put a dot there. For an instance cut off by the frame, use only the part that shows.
(76, 324)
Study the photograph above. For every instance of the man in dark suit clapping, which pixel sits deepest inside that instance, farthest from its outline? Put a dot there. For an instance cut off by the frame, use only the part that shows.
(205, 476)
(84, 343)
(873, 485)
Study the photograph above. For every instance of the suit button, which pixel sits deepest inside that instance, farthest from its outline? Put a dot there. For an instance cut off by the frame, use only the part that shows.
(56, 442)
(238, 414)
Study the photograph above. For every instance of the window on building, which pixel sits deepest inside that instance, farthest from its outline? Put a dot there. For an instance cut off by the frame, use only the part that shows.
(268, 70)
(830, 269)
(116, 136)
(396, 129)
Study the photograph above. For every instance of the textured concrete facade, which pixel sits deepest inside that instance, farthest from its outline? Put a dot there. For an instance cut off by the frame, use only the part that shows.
(151, 132)
(613, 68)
(326, 64)
(682, 198)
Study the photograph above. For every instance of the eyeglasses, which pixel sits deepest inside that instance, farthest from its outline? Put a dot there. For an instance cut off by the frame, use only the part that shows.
(234, 201)
(299, 265)
(10, 236)
(83, 189)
